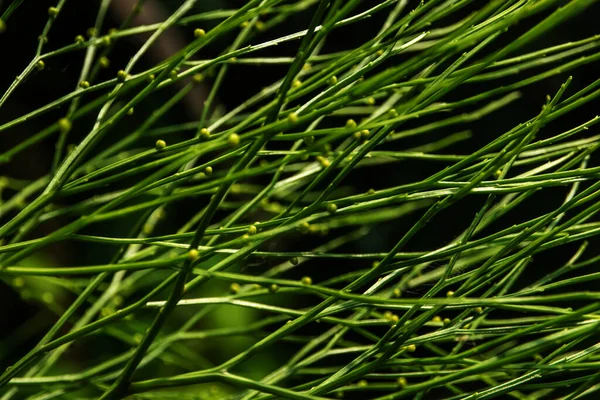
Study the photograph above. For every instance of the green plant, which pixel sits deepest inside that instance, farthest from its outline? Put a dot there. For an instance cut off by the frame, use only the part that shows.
(272, 213)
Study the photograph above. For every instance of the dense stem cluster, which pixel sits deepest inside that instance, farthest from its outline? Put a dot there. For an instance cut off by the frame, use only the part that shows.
(255, 229)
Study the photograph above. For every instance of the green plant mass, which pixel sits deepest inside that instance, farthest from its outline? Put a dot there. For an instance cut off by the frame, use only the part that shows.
(299, 199)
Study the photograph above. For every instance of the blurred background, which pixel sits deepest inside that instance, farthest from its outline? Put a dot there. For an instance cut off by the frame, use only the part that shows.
(28, 308)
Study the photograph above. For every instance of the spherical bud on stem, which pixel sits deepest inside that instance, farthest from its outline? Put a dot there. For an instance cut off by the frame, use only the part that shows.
(260, 26)
(208, 170)
(379, 52)
(323, 161)
(252, 230)
(402, 382)
(197, 78)
(307, 66)
(105, 41)
(411, 348)
(84, 84)
(198, 33)
(450, 293)
(397, 293)
(306, 280)
(273, 288)
(2, 26)
(333, 80)
(235, 288)
(79, 39)
(130, 111)
(244, 24)
(446, 321)
(104, 62)
(350, 124)
(304, 227)
(122, 75)
(91, 32)
(375, 264)
(40, 65)
(294, 260)
(64, 125)
(293, 117)
(371, 191)
(173, 74)
(193, 255)
(365, 133)
(19, 282)
(370, 101)
(393, 113)
(479, 310)
(160, 144)
(233, 139)
(436, 319)
(53, 11)
(362, 383)
(204, 134)
(331, 208)
(297, 83)
(48, 297)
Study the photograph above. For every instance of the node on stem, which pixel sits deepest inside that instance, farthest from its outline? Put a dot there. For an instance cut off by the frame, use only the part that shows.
(293, 117)
(160, 144)
(306, 280)
(64, 125)
(104, 62)
(235, 288)
(92, 32)
(233, 139)
(260, 26)
(197, 78)
(204, 134)
(122, 75)
(193, 255)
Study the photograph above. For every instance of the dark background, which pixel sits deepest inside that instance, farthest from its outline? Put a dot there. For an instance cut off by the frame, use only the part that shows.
(23, 321)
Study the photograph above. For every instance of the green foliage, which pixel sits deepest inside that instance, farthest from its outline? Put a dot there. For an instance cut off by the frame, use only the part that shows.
(245, 255)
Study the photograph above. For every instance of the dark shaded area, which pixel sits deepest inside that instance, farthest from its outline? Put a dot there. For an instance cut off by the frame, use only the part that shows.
(61, 75)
